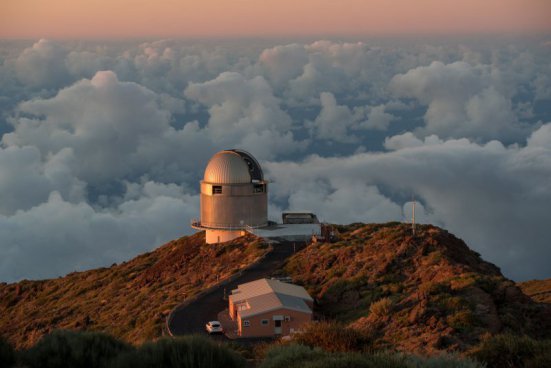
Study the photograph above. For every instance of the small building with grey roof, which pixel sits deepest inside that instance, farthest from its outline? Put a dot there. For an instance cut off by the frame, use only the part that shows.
(268, 307)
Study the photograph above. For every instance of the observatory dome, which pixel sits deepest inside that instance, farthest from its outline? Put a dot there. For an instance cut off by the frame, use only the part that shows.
(227, 167)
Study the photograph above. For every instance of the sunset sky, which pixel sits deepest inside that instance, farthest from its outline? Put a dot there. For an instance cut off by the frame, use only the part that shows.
(110, 110)
(268, 18)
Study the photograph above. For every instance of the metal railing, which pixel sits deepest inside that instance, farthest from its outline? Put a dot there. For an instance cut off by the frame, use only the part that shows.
(216, 226)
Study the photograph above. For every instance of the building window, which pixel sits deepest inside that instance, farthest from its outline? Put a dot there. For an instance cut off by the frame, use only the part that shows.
(258, 188)
(264, 322)
(246, 323)
(216, 189)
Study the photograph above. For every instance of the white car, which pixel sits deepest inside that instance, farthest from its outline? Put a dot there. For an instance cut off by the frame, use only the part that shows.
(213, 327)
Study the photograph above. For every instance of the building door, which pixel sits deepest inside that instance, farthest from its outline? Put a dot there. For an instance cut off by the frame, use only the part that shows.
(277, 328)
(277, 324)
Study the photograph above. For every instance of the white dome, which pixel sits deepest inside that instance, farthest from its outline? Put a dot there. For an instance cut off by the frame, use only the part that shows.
(227, 167)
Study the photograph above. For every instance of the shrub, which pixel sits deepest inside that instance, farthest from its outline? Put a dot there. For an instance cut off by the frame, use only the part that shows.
(442, 361)
(68, 349)
(512, 351)
(183, 352)
(289, 356)
(332, 336)
(381, 308)
(7, 355)
(298, 356)
(461, 320)
(542, 359)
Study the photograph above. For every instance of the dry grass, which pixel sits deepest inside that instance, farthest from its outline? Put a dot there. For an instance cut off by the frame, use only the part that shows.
(424, 294)
(539, 290)
(130, 300)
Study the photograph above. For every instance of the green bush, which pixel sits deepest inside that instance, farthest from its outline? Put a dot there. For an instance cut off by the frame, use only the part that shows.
(442, 361)
(184, 352)
(290, 356)
(504, 351)
(299, 356)
(70, 349)
(7, 355)
(332, 337)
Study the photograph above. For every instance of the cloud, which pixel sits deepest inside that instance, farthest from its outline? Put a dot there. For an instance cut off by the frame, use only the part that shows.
(103, 144)
(495, 197)
(462, 100)
(283, 63)
(43, 65)
(377, 118)
(333, 121)
(245, 113)
(115, 130)
(57, 236)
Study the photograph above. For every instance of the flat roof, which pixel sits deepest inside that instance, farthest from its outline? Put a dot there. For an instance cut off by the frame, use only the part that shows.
(287, 230)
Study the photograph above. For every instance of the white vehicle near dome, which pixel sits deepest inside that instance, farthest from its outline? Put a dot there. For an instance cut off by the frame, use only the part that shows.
(214, 327)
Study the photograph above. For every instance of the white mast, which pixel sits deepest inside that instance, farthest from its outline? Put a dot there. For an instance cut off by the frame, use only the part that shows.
(413, 217)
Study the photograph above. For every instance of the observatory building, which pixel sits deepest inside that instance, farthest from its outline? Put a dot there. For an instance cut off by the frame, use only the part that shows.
(234, 196)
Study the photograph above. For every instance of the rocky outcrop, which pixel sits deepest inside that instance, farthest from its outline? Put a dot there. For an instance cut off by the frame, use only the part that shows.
(444, 296)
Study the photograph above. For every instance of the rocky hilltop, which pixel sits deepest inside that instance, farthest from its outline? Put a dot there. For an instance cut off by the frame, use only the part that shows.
(538, 290)
(129, 300)
(421, 294)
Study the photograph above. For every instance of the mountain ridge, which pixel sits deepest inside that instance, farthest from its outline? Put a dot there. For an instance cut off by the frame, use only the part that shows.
(423, 293)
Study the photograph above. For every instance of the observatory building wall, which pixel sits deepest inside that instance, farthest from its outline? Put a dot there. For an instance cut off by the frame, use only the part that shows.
(230, 204)
(234, 196)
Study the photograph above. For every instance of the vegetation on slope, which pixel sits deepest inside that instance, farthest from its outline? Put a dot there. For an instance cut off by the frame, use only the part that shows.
(538, 290)
(300, 356)
(353, 345)
(129, 300)
(425, 294)
(71, 349)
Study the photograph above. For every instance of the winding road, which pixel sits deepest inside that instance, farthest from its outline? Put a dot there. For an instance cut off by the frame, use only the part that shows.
(191, 319)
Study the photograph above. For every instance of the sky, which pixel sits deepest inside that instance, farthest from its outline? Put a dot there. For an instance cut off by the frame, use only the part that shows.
(268, 18)
(106, 123)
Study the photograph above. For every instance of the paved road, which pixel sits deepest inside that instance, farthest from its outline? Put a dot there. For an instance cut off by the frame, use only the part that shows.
(192, 318)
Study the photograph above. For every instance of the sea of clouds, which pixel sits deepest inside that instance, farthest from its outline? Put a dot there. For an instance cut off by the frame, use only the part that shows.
(103, 143)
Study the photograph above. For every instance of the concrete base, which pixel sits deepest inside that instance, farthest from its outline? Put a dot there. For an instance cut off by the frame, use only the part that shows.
(221, 236)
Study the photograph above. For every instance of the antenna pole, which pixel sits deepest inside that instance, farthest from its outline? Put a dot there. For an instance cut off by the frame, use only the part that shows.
(413, 217)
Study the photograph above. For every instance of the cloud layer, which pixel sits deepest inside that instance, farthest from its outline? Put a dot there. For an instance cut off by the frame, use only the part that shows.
(103, 144)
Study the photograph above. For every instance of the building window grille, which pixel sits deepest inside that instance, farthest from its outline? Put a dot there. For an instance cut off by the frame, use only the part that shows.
(246, 323)
(216, 189)
(264, 322)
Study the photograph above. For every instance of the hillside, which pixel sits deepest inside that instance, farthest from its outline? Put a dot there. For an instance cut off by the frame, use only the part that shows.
(538, 290)
(421, 294)
(129, 300)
